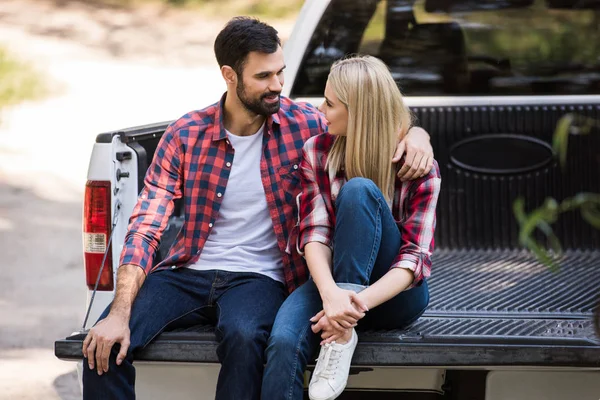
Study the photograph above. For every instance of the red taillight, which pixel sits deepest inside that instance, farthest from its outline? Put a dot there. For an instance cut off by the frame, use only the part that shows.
(96, 231)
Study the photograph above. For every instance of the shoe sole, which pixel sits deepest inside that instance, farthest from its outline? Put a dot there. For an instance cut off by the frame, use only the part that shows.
(333, 397)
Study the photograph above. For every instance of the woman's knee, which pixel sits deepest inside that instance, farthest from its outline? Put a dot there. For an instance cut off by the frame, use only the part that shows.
(283, 342)
(359, 185)
(356, 190)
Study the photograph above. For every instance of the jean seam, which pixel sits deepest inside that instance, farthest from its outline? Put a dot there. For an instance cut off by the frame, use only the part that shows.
(219, 319)
(167, 324)
(373, 255)
(295, 363)
(212, 290)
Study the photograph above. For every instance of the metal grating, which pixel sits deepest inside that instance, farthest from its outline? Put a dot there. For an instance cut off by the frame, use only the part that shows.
(546, 331)
(513, 284)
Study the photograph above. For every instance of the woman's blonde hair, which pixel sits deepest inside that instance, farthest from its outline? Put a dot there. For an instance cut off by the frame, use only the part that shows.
(377, 119)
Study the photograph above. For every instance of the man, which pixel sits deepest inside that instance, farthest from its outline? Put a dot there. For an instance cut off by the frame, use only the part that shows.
(235, 166)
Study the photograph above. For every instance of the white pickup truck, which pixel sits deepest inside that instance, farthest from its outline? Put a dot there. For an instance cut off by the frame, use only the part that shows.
(489, 80)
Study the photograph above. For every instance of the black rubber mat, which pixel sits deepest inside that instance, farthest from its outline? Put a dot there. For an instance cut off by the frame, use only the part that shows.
(492, 330)
(513, 284)
(475, 209)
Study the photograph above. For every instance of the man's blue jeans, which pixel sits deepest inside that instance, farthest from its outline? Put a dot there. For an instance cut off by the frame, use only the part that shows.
(366, 241)
(241, 305)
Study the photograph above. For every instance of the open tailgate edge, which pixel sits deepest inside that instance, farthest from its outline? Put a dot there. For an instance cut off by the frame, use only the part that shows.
(548, 343)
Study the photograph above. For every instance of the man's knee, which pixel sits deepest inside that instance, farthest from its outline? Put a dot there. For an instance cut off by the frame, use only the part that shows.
(244, 338)
(112, 361)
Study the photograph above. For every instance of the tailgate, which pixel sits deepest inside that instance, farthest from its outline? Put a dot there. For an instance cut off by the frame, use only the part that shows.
(502, 309)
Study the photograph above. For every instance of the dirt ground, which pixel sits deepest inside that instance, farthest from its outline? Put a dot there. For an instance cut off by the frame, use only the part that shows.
(108, 69)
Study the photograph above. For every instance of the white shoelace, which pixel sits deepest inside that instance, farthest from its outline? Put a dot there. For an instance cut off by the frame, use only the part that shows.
(327, 361)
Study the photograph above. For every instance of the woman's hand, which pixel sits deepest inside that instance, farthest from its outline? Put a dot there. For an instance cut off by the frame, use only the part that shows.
(343, 308)
(322, 324)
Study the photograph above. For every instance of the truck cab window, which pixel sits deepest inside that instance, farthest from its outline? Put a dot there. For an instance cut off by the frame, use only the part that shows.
(521, 48)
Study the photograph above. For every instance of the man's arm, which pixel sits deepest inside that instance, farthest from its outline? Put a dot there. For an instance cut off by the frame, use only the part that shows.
(115, 327)
(147, 223)
(419, 154)
(129, 281)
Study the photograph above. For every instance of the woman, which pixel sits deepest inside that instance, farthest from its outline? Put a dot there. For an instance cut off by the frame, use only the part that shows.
(367, 236)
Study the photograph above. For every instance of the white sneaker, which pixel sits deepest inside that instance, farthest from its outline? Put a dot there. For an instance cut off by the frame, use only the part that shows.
(331, 371)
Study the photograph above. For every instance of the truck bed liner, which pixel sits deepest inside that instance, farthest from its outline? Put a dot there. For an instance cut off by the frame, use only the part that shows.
(488, 308)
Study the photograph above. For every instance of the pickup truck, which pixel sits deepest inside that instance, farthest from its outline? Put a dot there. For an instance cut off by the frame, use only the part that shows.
(489, 80)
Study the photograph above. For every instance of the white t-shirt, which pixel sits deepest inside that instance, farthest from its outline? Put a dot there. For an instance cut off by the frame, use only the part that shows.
(242, 238)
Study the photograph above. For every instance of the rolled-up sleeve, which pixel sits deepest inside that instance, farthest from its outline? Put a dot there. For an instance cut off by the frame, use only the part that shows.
(418, 228)
(314, 220)
(162, 185)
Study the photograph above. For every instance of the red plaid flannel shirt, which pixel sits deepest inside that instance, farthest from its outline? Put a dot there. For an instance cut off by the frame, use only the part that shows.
(413, 208)
(193, 161)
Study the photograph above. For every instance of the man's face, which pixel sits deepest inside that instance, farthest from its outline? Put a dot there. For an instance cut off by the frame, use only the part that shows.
(261, 82)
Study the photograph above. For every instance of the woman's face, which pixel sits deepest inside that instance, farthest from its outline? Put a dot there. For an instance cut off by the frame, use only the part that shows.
(336, 114)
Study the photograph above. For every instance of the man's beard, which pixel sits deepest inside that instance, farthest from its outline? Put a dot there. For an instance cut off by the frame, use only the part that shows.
(257, 106)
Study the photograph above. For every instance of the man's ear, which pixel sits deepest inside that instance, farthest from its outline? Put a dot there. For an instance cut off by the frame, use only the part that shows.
(229, 75)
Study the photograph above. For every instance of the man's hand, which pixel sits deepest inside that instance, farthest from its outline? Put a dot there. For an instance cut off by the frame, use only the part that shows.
(419, 154)
(101, 339)
(322, 324)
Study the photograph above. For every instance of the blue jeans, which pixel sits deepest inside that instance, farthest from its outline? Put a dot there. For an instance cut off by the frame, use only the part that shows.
(366, 241)
(241, 305)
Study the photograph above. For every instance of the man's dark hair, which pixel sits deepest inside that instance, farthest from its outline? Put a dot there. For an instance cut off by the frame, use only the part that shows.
(240, 36)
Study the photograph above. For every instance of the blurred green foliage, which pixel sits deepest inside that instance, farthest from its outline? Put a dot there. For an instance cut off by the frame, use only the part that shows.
(18, 81)
(259, 8)
(548, 213)
(536, 40)
(554, 38)
(545, 215)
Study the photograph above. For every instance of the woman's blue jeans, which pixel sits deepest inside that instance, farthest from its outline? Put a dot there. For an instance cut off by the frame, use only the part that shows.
(366, 241)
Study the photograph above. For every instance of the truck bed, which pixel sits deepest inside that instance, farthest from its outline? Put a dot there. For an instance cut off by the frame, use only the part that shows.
(487, 308)
(492, 304)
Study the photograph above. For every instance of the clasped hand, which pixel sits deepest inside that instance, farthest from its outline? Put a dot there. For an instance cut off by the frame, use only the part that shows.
(342, 309)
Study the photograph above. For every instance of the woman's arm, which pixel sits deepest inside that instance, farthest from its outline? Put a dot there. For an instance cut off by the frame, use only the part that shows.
(393, 282)
(315, 238)
(338, 303)
(318, 259)
(413, 262)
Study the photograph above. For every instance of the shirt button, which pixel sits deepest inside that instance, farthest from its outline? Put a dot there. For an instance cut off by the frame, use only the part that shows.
(173, 267)
(228, 164)
(219, 195)
(210, 225)
(295, 166)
